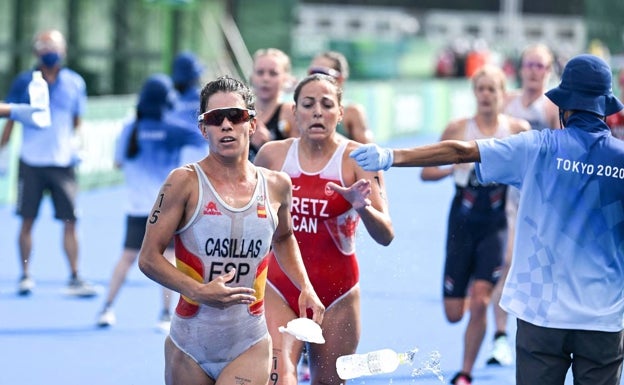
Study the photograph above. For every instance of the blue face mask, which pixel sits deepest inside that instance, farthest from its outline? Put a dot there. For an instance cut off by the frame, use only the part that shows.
(50, 59)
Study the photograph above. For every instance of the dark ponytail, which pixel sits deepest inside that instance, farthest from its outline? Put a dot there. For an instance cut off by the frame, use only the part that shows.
(133, 144)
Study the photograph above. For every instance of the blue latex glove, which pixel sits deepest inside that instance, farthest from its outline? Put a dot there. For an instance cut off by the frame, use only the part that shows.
(22, 113)
(371, 157)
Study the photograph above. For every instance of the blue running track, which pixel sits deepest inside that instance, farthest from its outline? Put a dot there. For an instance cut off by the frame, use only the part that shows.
(48, 338)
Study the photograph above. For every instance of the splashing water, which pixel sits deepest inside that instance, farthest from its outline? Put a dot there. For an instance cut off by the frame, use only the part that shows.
(431, 364)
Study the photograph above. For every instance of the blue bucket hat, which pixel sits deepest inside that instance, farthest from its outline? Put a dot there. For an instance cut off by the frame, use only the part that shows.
(156, 97)
(186, 68)
(586, 86)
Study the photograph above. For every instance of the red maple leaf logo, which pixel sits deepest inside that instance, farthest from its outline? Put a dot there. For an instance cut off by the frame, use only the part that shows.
(348, 227)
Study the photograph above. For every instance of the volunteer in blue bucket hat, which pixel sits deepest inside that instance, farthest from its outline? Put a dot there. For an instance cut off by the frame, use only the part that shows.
(586, 86)
(187, 69)
(156, 97)
(186, 74)
(565, 282)
(146, 151)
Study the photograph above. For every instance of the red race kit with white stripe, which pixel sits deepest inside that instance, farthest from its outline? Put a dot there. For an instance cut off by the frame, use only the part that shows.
(217, 239)
(325, 225)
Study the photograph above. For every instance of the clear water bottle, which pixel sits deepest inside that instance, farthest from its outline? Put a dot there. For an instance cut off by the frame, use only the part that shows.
(376, 362)
(40, 97)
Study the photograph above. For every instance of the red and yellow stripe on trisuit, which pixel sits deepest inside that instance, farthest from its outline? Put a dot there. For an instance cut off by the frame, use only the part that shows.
(261, 210)
(259, 285)
(192, 266)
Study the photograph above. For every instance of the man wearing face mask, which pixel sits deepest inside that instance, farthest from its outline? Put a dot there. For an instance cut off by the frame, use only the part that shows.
(48, 156)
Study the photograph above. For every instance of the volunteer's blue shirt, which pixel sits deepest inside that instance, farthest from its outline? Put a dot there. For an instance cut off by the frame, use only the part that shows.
(52, 146)
(568, 263)
(187, 106)
(185, 111)
(159, 144)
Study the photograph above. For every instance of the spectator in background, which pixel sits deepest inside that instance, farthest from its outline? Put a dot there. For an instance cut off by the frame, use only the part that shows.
(598, 48)
(48, 156)
(616, 121)
(445, 63)
(186, 73)
(477, 57)
(509, 68)
(270, 77)
(147, 150)
(477, 225)
(353, 124)
(531, 104)
(460, 47)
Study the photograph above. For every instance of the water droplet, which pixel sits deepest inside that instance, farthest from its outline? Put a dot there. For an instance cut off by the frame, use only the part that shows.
(431, 363)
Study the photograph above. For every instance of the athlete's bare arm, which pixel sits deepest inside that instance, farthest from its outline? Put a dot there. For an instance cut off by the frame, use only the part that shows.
(354, 121)
(453, 131)
(518, 125)
(287, 116)
(272, 154)
(438, 154)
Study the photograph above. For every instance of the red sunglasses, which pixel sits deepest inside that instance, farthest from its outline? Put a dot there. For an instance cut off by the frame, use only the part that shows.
(235, 115)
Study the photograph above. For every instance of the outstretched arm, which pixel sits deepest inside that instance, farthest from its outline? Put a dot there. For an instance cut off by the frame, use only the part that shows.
(21, 112)
(438, 154)
(371, 157)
